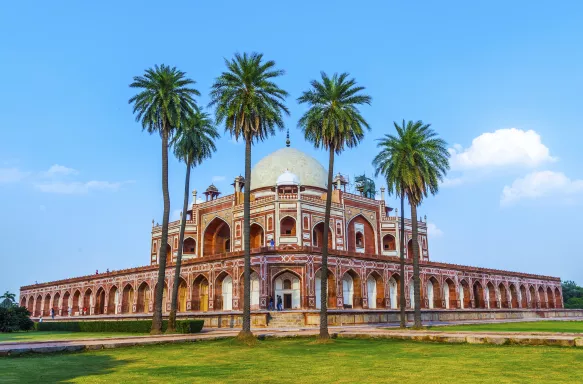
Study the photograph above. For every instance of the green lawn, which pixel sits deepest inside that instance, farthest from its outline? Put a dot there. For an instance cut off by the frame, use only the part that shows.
(534, 326)
(59, 335)
(302, 361)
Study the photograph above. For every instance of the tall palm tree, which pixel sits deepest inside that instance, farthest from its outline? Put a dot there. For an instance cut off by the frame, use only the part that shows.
(7, 299)
(193, 143)
(164, 99)
(422, 162)
(252, 106)
(333, 122)
(390, 162)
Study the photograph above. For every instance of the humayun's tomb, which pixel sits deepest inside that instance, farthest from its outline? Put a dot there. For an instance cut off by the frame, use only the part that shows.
(288, 190)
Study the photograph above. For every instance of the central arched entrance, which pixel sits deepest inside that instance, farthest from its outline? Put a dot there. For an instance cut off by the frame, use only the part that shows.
(217, 237)
(287, 287)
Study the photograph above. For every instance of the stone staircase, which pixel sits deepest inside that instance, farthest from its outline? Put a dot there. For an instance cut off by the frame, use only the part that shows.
(285, 319)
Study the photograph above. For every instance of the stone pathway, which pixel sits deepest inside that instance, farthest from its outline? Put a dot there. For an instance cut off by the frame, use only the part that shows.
(366, 331)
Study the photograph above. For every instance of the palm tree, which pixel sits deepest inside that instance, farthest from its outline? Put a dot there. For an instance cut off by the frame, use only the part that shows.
(419, 161)
(390, 163)
(193, 143)
(8, 299)
(252, 106)
(333, 122)
(164, 100)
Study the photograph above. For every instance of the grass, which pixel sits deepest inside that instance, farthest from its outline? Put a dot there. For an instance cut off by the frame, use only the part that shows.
(533, 326)
(302, 361)
(59, 335)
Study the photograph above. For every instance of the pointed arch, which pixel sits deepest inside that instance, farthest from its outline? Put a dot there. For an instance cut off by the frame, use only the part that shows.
(318, 235)
(287, 287)
(450, 294)
(433, 288)
(395, 291)
(514, 296)
(375, 290)
(479, 295)
(189, 246)
(351, 289)
(224, 292)
(503, 295)
(112, 300)
(465, 294)
(523, 296)
(256, 235)
(331, 288)
(558, 298)
(77, 302)
(541, 298)
(127, 299)
(491, 297)
(287, 226)
(55, 302)
(361, 236)
(389, 243)
(100, 301)
(200, 293)
(217, 237)
(550, 298)
(532, 303)
(87, 301)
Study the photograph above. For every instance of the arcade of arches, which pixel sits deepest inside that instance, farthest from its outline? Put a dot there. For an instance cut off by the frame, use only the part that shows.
(352, 288)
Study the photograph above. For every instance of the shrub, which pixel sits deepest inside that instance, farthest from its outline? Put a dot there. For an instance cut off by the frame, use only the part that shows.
(131, 326)
(14, 319)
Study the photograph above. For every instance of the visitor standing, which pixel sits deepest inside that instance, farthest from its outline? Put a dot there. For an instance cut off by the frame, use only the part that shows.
(69, 311)
(279, 303)
(40, 319)
(53, 313)
(272, 243)
(270, 306)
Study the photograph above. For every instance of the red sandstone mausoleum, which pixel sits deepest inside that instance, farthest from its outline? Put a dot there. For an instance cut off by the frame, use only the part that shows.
(288, 190)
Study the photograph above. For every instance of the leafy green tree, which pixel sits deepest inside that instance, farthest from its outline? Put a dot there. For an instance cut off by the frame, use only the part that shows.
(423, 164)
(572, 295)
(14, 318)
(390, 162)
(251, 105)
(164, 100)
(332, 122)
(193, 143)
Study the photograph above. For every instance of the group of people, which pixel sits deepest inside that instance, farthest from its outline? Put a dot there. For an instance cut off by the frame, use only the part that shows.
(279, 304)
(69, 312)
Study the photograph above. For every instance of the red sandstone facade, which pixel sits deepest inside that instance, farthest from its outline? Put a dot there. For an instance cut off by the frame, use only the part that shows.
(364, 262)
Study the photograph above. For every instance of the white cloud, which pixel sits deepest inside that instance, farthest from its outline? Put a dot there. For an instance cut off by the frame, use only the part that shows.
(77, 188)
(12, 175)
(433, 231)
(451, 182)
(540, 184)
(60, 170)
(218, 178)
(504, 147)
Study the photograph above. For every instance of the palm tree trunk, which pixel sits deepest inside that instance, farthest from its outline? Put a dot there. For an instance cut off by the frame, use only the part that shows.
(402, 301)
(157, 317)
(324, 271)
(246, 331)
(174, 305)
(416, 280)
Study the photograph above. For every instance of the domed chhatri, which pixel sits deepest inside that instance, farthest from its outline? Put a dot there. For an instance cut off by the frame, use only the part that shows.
(287, 178)
(307, 169)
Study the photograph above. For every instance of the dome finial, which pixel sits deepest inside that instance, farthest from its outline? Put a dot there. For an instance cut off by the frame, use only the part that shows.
(287, 142)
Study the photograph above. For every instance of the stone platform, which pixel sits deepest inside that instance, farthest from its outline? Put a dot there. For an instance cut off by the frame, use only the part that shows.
(343, 317)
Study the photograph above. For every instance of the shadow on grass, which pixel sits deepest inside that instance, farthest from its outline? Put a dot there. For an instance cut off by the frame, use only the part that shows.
(55, 368)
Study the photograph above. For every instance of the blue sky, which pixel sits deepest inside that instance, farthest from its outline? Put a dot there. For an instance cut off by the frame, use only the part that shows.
(500, 81)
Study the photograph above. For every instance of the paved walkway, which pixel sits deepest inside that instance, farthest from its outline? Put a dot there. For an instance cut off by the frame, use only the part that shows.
(363, 331)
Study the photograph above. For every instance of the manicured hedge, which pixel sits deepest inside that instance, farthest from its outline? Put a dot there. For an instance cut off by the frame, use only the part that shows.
(133, 326)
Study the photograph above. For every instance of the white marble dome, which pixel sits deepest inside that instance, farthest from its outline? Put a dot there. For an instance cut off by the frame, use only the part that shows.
(307, 170)
(288, 178)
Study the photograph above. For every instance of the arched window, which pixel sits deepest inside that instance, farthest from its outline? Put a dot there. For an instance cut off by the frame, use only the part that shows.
(288, 226)
(389, 243)
(287, 284)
